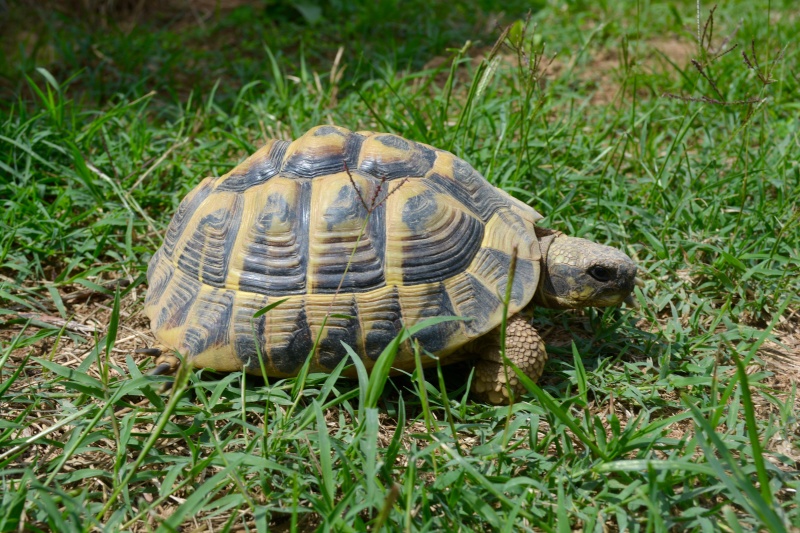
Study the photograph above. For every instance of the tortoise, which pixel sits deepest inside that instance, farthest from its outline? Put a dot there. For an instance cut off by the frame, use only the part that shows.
(365, 233)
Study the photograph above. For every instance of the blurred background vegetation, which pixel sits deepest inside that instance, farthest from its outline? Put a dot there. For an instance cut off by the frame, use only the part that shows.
(111, 48)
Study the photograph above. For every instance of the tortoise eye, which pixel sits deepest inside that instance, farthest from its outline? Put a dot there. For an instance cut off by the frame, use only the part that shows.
(600, 273)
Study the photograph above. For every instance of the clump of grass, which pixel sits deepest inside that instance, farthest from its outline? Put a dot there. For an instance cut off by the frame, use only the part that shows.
(671, 417)
(711, 54)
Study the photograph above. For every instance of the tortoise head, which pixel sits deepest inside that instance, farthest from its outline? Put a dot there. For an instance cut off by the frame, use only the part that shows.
(581, 273)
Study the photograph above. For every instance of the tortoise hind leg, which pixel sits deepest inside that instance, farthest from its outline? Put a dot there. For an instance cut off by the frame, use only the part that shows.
(524, 348)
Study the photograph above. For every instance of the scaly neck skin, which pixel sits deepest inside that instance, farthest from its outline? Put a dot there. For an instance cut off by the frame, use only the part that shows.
(546, 237)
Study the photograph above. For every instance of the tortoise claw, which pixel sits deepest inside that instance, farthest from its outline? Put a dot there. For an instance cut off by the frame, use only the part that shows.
(170, 361)
(152, 352)
(166, 364)
(160, 370)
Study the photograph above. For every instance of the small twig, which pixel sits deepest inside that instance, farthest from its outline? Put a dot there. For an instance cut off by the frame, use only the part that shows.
(708, 78)
(535, 70)
(757, 67)
(710, 55)
(34, 438)
(49, 320)
(373, 202)
(402, 182)
(730, 37)
(158, 162)
(353, 182)
(86, 293)
(752, 64)
(706, 99)
(124, 196)
(719, 55)
(335, 77)
(377, 191)
(708, 30)
(108, 153)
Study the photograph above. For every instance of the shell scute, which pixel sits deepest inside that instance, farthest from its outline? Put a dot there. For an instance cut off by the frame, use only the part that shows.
(249, 333)
(185, 212)
(208, 330)
(260, 167)
(345, 256)
(159, 275)
(509, 231)
(208, 242)
(381, 318)
(342, 325)
(322, 151)
(492, 268)
(175, 305)
(272, 258)
(464, 184)
(471, 298)
(426, 301)
(431, 224)
(288, 338)
(390, 157)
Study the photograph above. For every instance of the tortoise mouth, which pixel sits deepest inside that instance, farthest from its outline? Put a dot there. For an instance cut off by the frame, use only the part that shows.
(609, 297)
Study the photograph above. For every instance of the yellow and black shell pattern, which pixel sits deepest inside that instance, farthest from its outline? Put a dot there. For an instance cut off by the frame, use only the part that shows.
(370, 230)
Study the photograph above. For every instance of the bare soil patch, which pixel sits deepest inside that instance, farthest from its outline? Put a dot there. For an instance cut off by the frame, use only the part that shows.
(603, 75)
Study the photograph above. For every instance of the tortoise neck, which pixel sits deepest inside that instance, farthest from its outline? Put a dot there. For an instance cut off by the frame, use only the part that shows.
(546, 236)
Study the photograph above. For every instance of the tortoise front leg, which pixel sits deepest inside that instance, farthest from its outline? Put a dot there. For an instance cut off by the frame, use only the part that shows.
(524, 348)
(166, 363)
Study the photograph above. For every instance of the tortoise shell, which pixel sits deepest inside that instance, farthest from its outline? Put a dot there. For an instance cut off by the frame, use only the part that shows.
(367, 230)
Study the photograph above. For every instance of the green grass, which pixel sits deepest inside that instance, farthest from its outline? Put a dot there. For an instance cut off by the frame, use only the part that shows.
(676, 416)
